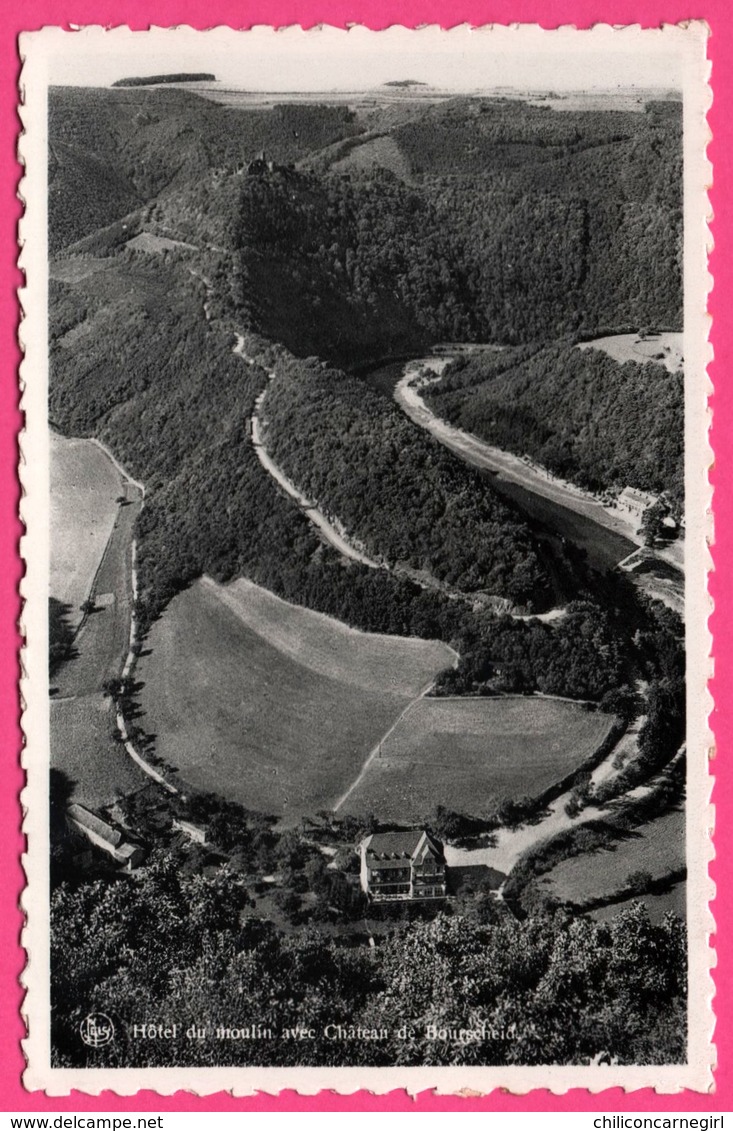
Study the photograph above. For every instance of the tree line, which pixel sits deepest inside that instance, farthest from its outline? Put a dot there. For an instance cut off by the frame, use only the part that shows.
(185, 949)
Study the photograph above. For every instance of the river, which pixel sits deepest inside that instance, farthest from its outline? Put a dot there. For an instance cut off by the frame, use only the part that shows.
(550, 507)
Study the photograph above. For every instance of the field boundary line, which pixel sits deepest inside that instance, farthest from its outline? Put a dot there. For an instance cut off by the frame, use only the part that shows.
(504, 695)
(375, 750)
(219, 588)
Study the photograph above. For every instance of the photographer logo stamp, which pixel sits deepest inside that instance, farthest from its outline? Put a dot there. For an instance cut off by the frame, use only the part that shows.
(97, 1030)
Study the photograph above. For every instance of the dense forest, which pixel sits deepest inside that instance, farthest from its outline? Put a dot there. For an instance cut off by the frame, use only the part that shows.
(452, 259)
(183, 948)
(395, 489)
(145, 372)
(588, 418)
(515, 224)
(113, 151)
(153, 80)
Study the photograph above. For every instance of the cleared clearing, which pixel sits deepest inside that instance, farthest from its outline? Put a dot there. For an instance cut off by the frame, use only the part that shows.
(84, 490)
(268, 703)
(665, 348)
(464, 753)
(379, 153)
(657, 848)
(75, 268)
(154, 245)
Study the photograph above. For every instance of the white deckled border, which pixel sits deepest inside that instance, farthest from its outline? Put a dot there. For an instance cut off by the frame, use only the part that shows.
(36, 49)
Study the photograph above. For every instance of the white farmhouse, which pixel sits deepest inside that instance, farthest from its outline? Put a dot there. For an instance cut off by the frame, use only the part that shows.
(636, 503)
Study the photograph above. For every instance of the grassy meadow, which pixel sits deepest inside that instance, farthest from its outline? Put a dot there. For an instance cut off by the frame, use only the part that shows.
(270, 704)
(464, 753)
(84, 749)
(84, 488)
(657, 848)
(673, 898)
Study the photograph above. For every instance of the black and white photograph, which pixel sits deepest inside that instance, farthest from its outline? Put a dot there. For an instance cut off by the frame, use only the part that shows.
(366, 429)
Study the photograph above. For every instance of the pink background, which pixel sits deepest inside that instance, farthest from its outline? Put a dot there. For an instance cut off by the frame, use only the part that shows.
(33, 14)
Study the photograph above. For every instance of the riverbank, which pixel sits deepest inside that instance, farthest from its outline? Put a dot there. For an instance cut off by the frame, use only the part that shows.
(605, 534)
(505, 465)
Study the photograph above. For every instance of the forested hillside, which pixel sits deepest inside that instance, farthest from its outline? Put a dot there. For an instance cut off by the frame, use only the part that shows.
(135, 363)
(349, 267)
(396, 489)
(588, 418)
(131, 144)
(517, 225)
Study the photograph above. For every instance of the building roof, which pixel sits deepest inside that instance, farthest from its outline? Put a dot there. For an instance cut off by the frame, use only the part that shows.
(402, 843)
(95, 824)
(633, 494)
(397, 848)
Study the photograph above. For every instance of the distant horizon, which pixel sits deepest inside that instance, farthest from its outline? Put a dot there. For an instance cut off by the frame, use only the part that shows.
(327, 60)
(668, 91)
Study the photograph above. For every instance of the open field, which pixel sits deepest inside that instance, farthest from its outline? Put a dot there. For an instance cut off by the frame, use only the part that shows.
(461, 753)
(84, 489)
(84, 749)
(101, 643)
(666, 348)
(75, 268)
(91, 554)
(380, 152)
(657, 848)
(332, 649)
(270, 704)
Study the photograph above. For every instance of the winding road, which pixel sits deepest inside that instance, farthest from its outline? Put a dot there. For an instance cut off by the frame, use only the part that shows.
(574, 513)
(333, 533)
(327, 528)
(505, 464)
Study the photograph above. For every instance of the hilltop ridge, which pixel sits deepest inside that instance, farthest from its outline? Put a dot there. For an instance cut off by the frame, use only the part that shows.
(155, 80)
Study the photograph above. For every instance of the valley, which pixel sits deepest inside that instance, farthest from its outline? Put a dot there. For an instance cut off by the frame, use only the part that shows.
(517, 478)
(383, 580)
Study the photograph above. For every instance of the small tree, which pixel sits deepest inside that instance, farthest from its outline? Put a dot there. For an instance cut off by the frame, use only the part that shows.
(652, 523)
(638, 882)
